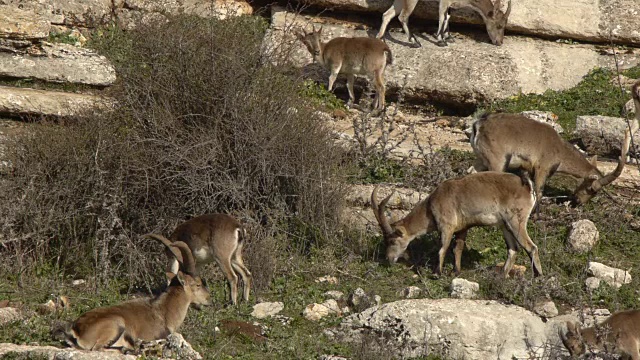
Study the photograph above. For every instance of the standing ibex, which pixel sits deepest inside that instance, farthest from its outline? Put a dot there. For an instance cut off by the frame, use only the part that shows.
(492, 12)
(120, 327)
(620, 332)
(351, 56)
(456, 205)
(218, 237)
(511, 141)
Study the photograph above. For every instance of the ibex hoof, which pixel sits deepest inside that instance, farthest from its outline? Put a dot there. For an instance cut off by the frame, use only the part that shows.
(441, 43)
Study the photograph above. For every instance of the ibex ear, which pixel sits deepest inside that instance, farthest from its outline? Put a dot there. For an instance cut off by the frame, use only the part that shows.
(594, 160)
(320, 30)
(180, 277)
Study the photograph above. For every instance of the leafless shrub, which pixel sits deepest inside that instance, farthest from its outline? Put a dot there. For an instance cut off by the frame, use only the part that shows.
(202, 125)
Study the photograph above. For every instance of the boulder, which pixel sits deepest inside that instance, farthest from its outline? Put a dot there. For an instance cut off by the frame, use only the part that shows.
(266, 309)
(60, 63)
(612, 276)
(50, 352)
(592, 283)
(461, 74)
(19, 24)
(9, 315)
(23, 101)
(545, 117)
(583, 235)
(603, 135)
(464, 289)
(594, 21)
(451, 328)
(315, 312)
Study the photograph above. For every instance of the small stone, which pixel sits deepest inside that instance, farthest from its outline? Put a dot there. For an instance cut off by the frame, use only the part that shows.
(327, 279)
(411, 292)
(464, 289)
(315, 312)
(78, 282)
(612, 276)
(592, 283)
(583, 235)
(517, 271)
(360, 300)
(334, 294)
(546, 309)
(266, 309)
(332, 357)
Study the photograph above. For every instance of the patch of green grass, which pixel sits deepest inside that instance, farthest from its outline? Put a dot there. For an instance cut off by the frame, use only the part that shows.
(65, 37)
(596, 94)
(321, 96)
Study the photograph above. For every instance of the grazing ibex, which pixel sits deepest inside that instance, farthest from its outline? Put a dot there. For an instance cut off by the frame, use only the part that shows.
(351, 56)
(218, 237)
(512, 141)
(121, 327)
(620, 333)
(456, 205)
(492, 12)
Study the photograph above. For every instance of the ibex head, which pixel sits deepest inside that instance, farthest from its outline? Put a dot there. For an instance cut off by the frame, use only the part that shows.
(194, 287)
(313, 42)
(572, 340)
(496, 22)
(395, 237)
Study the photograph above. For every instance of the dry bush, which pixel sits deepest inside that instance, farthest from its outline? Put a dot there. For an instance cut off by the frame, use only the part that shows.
(202, 125)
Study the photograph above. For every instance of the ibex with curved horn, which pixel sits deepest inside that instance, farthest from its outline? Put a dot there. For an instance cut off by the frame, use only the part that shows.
(492, 12)
(121, 327)
(456, 205)
(218, 237)
(512, 141)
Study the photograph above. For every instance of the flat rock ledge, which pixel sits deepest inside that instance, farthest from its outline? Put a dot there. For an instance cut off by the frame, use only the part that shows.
(54, 353)
(464, 73)
(24, 101)
(453, 328)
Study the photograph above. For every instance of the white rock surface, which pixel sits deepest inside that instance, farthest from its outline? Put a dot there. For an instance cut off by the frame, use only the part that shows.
(464, 289)
(583, 235)
(612, 276)
(267, 309)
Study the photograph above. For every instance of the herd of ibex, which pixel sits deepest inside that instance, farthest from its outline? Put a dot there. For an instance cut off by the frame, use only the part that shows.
(515, 157)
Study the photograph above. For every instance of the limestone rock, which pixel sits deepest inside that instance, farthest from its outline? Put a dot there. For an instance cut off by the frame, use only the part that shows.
(16, 23)
(50, 352)
(612, 276)
(85, 13)
(360, 300)
(583, 235)
(603, 135)
(315, 312)
(9, 315)
(411, 292)
(545, 117)
(592, 283)
(60, 63)
(180, 348)
(456, 329)
(468, 71)
(464, 289)
(546, 308)
(327, 279)
(266, 309)
(334, 294)
(23, 101)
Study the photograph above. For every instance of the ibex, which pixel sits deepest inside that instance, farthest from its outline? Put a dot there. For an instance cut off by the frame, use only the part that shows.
(121, 327)
(218, 237)
(456, 205)
(621, 331)
(512, 141)
(351, 56)
(495, 18)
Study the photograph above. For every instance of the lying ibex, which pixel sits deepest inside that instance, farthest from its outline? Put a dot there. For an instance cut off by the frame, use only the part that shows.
(456, 205)
(351, 56)
(512, 141)
(121, 327)
(218, 237)
(620, 332)
(492, 12)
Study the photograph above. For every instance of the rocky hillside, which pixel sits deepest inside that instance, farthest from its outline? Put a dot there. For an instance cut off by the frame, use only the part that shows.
(338, 300)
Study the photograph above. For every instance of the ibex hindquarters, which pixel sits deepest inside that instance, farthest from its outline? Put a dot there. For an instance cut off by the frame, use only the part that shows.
(351, 56)
(456, 205)
(219, 238)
